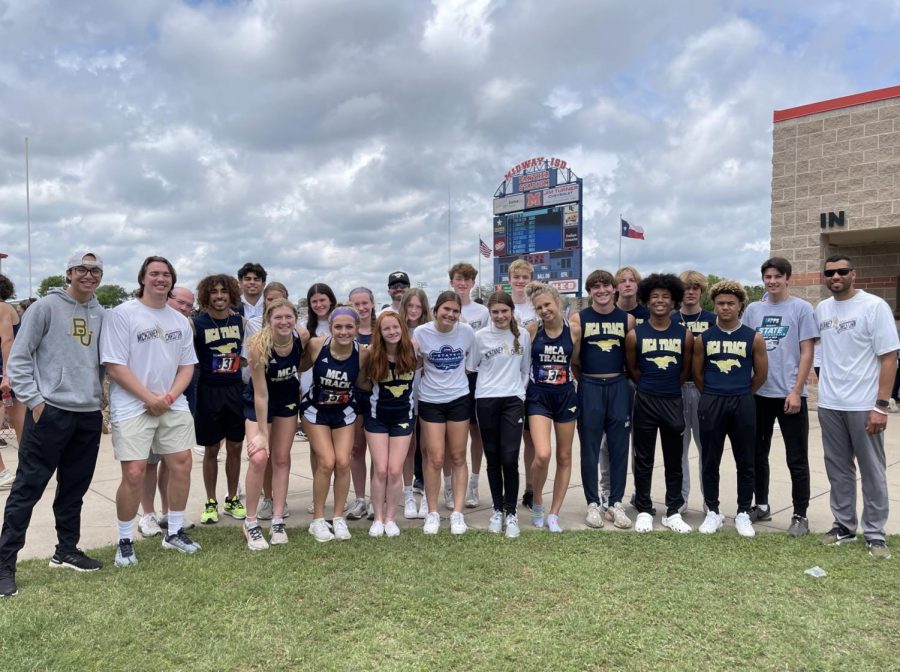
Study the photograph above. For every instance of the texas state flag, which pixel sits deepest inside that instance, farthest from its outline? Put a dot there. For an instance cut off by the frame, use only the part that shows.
(631, 231)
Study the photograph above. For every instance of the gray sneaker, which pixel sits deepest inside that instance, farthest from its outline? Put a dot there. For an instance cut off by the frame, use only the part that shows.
(799, 526)
(878, 549)
(125, 553)
(264, 512)
(180, 542)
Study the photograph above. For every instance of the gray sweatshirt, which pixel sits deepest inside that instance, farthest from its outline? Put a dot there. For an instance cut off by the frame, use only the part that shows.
(56, 355)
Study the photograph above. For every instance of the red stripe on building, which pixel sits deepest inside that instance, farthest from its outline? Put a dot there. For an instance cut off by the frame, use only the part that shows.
(837, 103)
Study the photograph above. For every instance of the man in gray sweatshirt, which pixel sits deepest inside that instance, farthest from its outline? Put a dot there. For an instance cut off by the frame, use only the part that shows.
(55, 371)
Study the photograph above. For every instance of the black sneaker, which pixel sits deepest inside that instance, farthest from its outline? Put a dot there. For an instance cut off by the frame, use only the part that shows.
(837, 535)
(76, 560)
(799, 526)
(759, 514)
(418, 486)
(528, 499)
(878, 549)
(8, 582)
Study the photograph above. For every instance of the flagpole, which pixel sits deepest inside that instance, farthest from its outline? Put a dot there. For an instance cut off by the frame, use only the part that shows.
(620, 240)
(28, 217)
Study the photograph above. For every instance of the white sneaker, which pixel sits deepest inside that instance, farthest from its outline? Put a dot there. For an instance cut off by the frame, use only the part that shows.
(311, 508)
(423, 507)
(495, 525)
(391, 529)
(432, 522)
(512, 526)
(593, 518)
(537, 515)
(357, 510)
(376, 529)
(553, 523)
(319, 530)
(676, 523)
(448, 497)
(616, 514)
(743, 525)
(255, 539)
(409, 509)
(148, 525)
(341, 532)
(712, 523)
(643, 523)
(277, 534)
(6, 479)
(472, 498)
(457, 523)
(264, 511)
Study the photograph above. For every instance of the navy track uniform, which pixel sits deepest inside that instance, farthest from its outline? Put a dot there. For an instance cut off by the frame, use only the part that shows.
(282, 384)
(391, 410)
(551, 390)
(331, 397)
(219, 386)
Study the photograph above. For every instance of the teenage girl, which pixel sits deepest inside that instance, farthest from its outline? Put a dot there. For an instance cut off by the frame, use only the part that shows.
(363, 301)
(414, 311)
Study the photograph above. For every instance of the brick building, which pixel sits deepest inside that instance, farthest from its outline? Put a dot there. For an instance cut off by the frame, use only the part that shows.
(836, 189)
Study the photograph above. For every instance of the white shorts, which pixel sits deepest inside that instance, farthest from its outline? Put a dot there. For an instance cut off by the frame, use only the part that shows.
(135, 438)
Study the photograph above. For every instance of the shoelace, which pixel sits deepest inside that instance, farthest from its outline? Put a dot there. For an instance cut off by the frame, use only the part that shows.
(255, 532)
(277, 528)
(182, 537)
(126, 548)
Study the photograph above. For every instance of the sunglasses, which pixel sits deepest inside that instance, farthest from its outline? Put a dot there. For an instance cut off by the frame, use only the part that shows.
(840, 271)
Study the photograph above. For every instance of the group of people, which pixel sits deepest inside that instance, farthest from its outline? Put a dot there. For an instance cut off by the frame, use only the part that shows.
(411, 384)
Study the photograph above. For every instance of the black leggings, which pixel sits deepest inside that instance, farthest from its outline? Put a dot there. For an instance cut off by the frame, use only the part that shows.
(500, 421)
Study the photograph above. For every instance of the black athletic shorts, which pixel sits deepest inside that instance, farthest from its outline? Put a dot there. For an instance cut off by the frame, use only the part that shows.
(220, 414)
(457, 410)
(559, 406)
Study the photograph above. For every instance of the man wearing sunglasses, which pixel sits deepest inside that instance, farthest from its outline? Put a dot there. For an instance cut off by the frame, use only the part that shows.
(858, 349)
(54, 368)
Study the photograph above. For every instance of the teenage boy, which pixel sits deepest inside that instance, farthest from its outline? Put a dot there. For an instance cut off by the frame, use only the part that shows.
(218, 336)
(627, 279)
(730, 365)
(788, 327)
(147, 348)
(58, 336)
(859, 361)
(658, 354)
(604, 397)
(252, 279)
(477, 316)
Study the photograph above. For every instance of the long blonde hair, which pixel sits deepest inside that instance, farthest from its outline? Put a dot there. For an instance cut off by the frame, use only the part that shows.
(262, 342)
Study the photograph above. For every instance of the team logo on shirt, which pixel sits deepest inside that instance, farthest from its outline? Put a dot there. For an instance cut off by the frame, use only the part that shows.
(835, 324)
(396, 390)
(606, 345)
(663, 362)
(726, 365)
(447, 358)
(157, 332)
(81, 332)
(772, 331)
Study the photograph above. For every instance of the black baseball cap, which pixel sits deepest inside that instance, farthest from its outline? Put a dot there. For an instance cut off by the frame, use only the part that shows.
(398, 276)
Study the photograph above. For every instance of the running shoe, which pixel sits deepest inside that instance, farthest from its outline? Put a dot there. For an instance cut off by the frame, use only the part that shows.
(712, 523)
(391, 529)
(370, 511)
(300, 436)
(423, 507)
(838, 535)
(287, 511)
(8, 587)
(341, 532)
(495, 525)
(6, 479)
(418, 486)
(180, 542)
(320, 531)
(357, 510)
(264, 510)
(593, 518)
(744, 525)
(234, 508)
(278, 534)
(512, 526)
(472, 498)
(537, 516)
(409, 508)
(125, 553)
(432, 523)
(878, 549)
(210, 513)
(760, 513)
(643, 523)
(148, 526)
(311, 508)
(553, 523)
(799, 526)
(617, 516)
(376, 529)
(528, 498)
(76, 560)
(676, 523)
(457, 523)
(255, 539)
(448, 496)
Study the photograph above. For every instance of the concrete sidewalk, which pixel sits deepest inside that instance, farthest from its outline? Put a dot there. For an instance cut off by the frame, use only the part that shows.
(99, 516)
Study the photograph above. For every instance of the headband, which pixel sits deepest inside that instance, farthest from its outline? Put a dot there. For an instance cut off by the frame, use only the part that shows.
(343, 310)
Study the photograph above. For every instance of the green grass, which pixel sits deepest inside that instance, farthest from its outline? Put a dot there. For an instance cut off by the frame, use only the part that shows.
(579, 601)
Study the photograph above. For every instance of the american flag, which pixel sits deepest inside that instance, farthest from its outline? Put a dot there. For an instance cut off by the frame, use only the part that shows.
(485, 250)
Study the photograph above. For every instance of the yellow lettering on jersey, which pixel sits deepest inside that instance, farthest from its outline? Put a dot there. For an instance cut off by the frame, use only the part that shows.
(735, 348)
(648, 345)
(591, 329)
(614, 328)
(670, 344)
(211, 334)
(713, 347)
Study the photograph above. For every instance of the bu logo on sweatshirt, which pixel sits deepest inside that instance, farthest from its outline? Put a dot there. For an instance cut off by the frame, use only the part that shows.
(81, 332)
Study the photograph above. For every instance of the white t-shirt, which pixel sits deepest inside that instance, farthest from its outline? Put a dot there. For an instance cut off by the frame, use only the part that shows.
(525, 314)
(153, 343)
(476, 315)
(854, 334)
(502, 371)
(783, 327)
(253, 311)
(446, 357)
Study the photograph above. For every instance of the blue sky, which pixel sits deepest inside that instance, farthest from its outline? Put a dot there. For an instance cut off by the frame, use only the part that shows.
(321, 139)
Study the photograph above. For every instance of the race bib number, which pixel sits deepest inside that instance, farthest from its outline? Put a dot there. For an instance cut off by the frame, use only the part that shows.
(230, 363)
(330, 398)
(553, 374)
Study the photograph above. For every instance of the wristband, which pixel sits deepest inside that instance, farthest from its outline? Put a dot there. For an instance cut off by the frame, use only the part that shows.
(878, 410)
(170, 399)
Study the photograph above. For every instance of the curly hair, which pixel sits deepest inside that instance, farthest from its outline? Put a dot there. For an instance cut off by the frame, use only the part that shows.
(665, 281)
(7, 288)
(729, 287)
(206, 286)
(378, 366)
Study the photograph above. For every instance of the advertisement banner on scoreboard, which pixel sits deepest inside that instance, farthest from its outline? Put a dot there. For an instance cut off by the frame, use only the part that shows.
(567, 193)
(506, 204)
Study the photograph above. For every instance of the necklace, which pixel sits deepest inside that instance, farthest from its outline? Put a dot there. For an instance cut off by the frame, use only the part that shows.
(282, 345)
